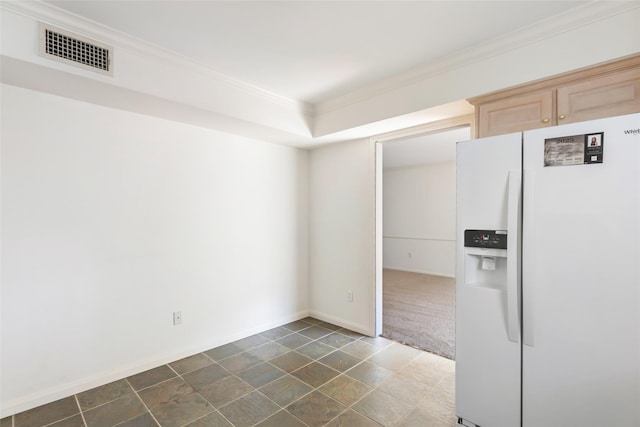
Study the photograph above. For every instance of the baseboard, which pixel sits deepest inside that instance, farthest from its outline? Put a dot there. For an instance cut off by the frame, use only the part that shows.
(415, 270)
(52, 394)
(356, 327)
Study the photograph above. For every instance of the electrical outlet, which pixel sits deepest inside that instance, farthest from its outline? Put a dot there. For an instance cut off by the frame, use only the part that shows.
(350, 296)
(177, 318)
(410, 255)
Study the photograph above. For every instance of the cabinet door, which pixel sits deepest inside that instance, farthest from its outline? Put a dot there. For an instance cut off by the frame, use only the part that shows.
(514, 114)
(607, 96)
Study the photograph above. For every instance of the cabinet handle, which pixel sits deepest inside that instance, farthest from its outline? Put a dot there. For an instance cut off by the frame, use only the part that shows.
(545, 120)
(562, 117)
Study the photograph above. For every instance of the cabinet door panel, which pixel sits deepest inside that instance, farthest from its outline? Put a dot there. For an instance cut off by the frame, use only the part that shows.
(515, 114)
(608, 96)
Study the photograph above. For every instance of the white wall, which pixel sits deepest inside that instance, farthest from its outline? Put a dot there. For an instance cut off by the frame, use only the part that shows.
(419, 218)
(342, 234)
(113, 220)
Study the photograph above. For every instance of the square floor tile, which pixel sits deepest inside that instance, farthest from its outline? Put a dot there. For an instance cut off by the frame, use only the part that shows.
(440, 405)
(329, 326)
(151, 377)
(350, 333)
(291, 361)
(406, 389)
(298, 325)
(269, 351)
(144, 420)
(316, 409)
(275, 333)
(315, 332)
(336, 340)
(224, 391)
(115, 412)
(75, 421)
(281, 419)
(206, 376)
(382, 408)
(340, 361)
(294, 341)
(311, 320)
(351, 418)
(315, 350)
(47, 414)
(425, 370)
(315, 374)
(261, 374)
(251, 342)
(249, 410)
(214, 419)
(420, 418)
(6, 422)
(189, 364)
(395, 356)
(103, 394)
(448, 383)
(360, 349)
(181, 409)
(369, 373)
(378, 342)
(240, 362)
(345, 389)
(286, 390)
(224, 351)
(162, 393)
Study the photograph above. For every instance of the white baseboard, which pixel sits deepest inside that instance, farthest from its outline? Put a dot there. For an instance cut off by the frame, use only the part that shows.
(61, 391)
(356, 327)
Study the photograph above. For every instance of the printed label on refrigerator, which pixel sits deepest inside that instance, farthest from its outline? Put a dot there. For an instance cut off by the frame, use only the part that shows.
(574, 150)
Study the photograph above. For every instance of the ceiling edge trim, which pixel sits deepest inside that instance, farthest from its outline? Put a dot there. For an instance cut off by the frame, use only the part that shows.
(548, 28)
(55, 16)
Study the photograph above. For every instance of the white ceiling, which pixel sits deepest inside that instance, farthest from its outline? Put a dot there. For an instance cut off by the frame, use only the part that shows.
(430, 148)
(314, 51)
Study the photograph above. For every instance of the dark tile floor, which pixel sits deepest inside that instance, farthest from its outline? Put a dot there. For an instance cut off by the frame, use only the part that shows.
(306, 373)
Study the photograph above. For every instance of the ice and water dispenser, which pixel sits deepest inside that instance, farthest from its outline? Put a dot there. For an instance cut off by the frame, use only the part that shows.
(485, 258)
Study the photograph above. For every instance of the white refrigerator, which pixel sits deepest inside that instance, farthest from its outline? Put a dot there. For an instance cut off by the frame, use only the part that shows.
(548, 277)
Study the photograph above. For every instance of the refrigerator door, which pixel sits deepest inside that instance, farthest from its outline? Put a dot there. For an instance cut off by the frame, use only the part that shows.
(581, 276)
(487, 282)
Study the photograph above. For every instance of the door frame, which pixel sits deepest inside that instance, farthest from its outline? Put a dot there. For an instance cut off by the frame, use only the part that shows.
(376, 147)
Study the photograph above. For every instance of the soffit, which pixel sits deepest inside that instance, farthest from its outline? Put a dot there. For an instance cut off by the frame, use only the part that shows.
(313, 51)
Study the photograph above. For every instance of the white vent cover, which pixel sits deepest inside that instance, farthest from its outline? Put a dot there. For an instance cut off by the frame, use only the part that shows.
(76, 50)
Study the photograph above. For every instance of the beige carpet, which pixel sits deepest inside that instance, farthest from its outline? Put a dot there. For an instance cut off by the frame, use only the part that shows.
(419, 310)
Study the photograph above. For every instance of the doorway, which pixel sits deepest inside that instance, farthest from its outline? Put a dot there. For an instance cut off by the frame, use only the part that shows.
(416, 234)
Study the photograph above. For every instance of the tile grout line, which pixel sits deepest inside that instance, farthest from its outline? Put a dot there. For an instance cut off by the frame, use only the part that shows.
(143, 403)
(80, 409)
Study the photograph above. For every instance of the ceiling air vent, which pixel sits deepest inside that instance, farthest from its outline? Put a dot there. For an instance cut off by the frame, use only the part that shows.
(76, 50)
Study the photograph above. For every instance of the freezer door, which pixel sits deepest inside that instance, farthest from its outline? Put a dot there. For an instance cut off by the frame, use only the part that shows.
(581, 276)
(487, 282)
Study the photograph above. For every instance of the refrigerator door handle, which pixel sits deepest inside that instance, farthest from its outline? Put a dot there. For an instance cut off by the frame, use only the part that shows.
(513, 255)
(528, 239)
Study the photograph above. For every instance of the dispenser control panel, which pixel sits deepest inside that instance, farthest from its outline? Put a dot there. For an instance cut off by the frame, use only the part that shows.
(494, 239)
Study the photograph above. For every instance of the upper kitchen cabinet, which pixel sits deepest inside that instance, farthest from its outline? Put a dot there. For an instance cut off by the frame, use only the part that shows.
(604, 90)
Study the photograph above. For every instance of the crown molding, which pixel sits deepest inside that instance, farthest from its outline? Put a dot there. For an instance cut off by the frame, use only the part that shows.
(579, 17)
(53, 15)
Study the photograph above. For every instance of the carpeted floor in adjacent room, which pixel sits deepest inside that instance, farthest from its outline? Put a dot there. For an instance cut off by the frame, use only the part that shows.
(419, 310)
